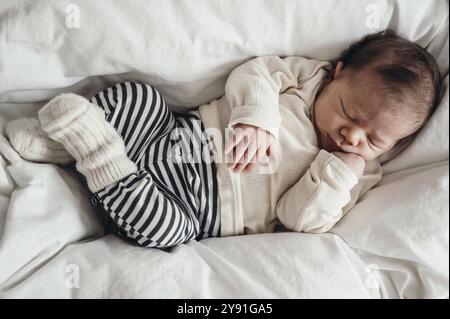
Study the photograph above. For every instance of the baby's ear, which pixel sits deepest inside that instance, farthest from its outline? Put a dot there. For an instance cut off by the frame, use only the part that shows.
(338, 69)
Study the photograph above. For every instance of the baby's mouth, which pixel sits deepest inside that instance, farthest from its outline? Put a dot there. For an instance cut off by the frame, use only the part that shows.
(329, 144)
(331, 141)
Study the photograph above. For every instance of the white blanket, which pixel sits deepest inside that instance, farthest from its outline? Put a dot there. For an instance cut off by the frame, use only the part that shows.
(394, 243)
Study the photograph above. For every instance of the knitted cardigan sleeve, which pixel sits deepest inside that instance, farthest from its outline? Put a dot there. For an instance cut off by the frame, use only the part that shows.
(325, 193)
(253, 89)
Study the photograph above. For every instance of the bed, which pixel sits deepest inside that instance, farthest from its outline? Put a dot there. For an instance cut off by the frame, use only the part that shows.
(393, 244)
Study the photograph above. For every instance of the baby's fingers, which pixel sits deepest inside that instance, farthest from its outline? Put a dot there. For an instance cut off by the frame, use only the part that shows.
(249, 156)
(260, 158)
(238, 136)
(250, 167)
(243, 152)
(245, 139)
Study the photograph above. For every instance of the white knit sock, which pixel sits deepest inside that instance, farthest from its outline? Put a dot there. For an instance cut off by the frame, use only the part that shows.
(32, 143)
(94, 143)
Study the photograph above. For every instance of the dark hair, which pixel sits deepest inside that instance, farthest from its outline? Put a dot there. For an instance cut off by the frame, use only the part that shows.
(403, 67)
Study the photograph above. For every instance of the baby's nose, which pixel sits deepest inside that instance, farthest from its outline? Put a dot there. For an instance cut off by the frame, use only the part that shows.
(352, 136)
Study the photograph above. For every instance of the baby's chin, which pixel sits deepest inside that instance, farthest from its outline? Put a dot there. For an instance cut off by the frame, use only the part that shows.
(324, 144)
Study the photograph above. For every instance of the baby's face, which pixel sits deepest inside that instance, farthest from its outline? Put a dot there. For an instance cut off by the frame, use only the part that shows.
(350, 116)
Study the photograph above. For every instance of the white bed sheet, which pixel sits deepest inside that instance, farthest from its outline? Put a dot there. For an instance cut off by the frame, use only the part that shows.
(393, 244)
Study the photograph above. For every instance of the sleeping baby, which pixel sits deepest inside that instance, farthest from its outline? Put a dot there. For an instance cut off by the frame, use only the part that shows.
(294, 141)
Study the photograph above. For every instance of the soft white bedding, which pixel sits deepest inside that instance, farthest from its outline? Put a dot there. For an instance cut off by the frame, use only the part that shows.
(394, 243)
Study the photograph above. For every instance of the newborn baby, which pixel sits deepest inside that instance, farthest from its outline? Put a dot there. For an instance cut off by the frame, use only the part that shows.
(293, 140)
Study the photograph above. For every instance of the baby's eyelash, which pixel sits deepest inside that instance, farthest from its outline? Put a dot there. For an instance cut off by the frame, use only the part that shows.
(345, 113)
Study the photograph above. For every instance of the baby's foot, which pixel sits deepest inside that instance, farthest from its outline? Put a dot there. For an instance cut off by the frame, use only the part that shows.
(32, 143)
(85, 133)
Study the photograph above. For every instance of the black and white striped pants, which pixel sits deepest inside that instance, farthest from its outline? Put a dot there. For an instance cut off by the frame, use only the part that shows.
(173, 197)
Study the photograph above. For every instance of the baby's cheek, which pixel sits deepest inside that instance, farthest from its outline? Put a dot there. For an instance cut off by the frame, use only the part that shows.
(371, 155)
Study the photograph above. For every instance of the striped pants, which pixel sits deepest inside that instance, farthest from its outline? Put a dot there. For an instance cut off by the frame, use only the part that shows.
(173, 197)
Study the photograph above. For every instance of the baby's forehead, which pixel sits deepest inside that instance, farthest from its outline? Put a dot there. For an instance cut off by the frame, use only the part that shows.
(369, 80)
(371, 95)
(380, 113)
(390, 123)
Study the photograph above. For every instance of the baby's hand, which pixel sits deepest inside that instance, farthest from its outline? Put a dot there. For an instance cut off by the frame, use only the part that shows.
(355, 162)
(249, 146)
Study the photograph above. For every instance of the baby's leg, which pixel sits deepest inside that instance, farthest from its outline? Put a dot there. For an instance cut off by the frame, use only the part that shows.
(147, 212)
(123, 106)
(148, 127)
(81, 128)
(142, 207)
(139, 114)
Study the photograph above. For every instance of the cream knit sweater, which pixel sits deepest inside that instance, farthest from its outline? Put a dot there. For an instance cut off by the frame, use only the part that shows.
(308, 189)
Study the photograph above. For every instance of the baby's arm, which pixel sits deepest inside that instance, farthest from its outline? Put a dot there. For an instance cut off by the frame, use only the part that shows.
(323, 195)
(253, 90)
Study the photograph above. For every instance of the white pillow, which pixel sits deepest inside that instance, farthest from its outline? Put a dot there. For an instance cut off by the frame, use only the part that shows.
(401, 230)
